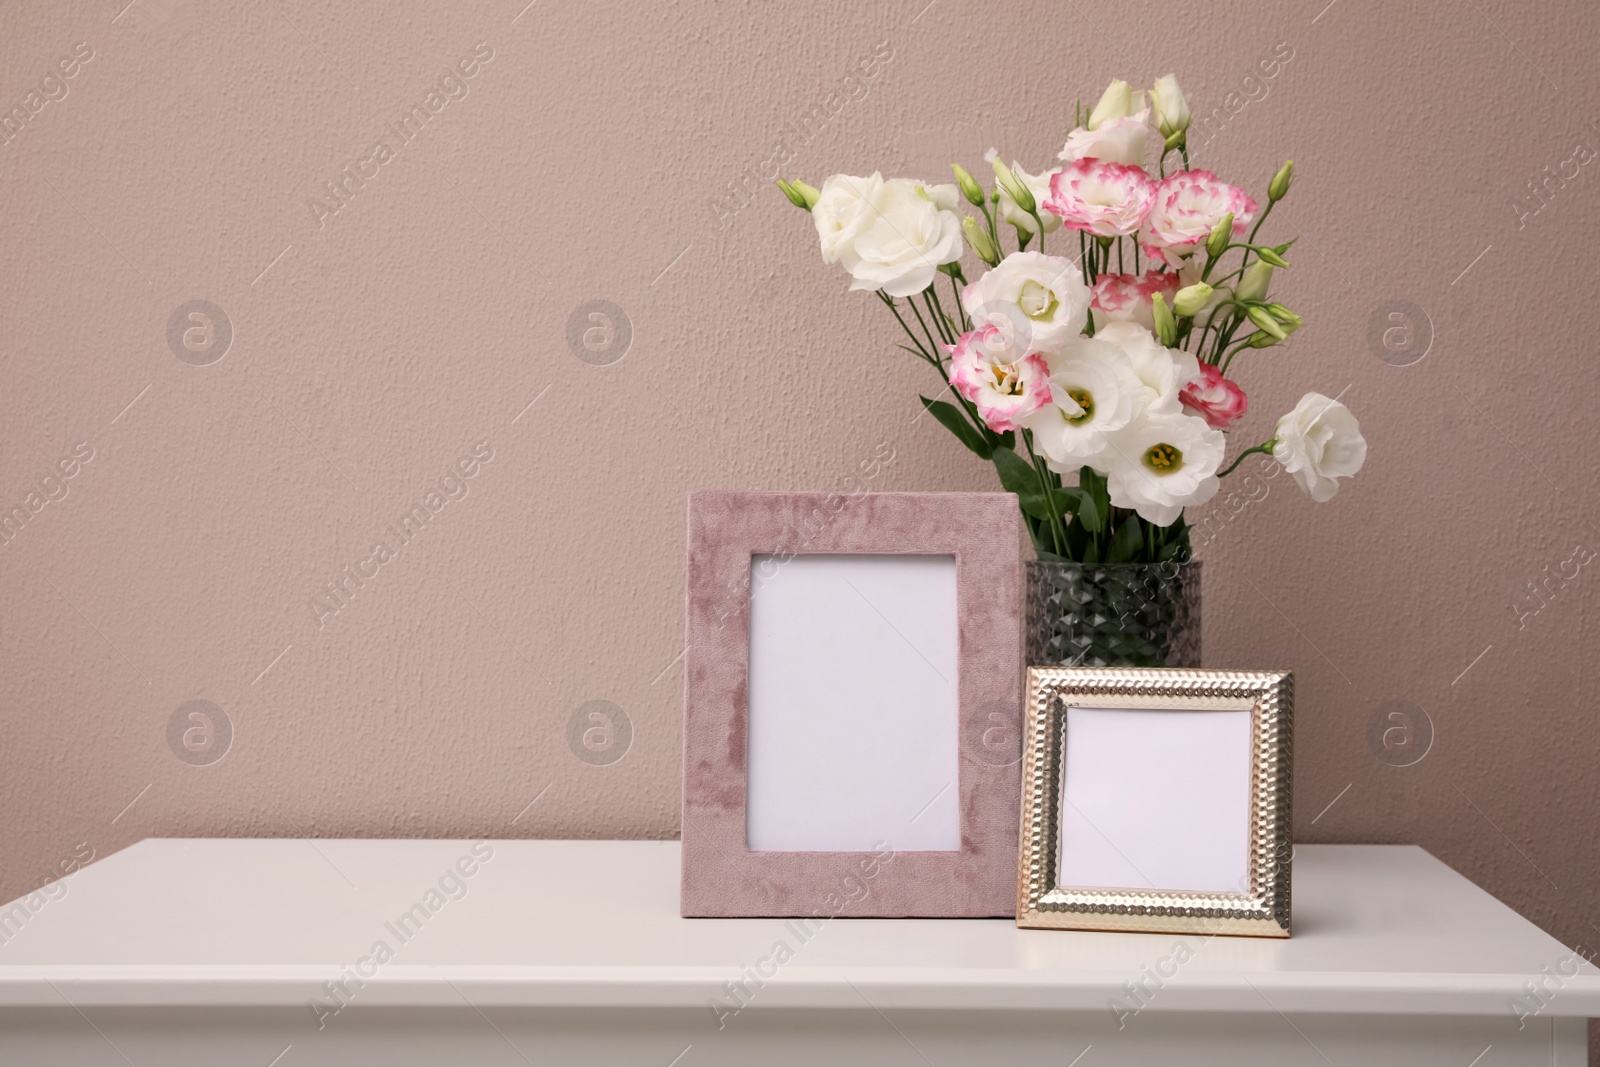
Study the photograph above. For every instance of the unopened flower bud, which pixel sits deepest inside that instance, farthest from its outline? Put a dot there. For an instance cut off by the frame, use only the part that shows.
(1269, 255)
(794, 196)
(1191, 299)
(1265, 322)
(810, 192)
(1221, 234)
(1115, 103)
(1171, 108)
(1262, 340)
(1279, 187)
(1174, 139)
(1219, 296)
(969, 185)
(1019, 193)
(1286, 318)
(979, 239)
(1166, 326)
(1253, 286)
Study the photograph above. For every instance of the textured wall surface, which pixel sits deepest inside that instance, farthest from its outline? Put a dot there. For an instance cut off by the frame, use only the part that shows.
(426, 316)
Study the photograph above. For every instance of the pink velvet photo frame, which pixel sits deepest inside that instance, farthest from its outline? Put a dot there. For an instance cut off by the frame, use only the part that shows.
(722, 876)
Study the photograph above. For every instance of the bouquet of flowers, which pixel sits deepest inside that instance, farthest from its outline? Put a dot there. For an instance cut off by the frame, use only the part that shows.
(1107, 357)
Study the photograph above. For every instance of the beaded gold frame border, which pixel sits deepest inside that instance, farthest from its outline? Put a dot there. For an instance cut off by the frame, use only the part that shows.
(1264, 910)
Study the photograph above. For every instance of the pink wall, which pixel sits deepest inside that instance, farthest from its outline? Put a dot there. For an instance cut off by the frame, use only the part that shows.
(374, 347)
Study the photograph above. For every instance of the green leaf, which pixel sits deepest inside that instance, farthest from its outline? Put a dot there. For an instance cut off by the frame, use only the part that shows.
(1078, 540)
(1069, 500)
(1018, 476)
(1173, 540)
(1039, 533)
(957, 424)
(1093, 502)
(1127, 542)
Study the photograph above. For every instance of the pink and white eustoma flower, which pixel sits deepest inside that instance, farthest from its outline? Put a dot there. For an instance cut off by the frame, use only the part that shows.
(1187, 206)
(1128, 297)
(1101, 198)
(1003, 379)
(1042, 298)
(1093, 392)
(1214, 398)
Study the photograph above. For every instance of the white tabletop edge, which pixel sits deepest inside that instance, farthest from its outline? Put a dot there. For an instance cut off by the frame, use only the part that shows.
(1354, 985)
(1418, 994)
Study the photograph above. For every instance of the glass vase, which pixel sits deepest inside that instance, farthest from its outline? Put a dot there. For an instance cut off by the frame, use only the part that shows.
(1112, 615)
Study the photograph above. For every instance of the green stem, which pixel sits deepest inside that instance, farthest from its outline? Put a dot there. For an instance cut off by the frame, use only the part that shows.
(1227, 360)
(994, 233)
(1058, 529)
(947, 325)
(1226, 337)
(955, 294)
(1205, 332)
(1245, 259)
(964, 404)
(1265, 448)
(934, 345)
(921, 350)
(1260, 219)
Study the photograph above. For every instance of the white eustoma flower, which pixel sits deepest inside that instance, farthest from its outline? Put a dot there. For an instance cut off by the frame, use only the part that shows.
(1049, 290)
(946, 197)
(1119, 140)
(1093, 392)
(1162, 371)
(890, 235)
(842, 211)
(1116, 130)
(1318, 443)
(1161, 464)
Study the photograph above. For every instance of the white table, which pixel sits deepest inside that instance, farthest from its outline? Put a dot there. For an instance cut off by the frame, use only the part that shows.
(202, 952)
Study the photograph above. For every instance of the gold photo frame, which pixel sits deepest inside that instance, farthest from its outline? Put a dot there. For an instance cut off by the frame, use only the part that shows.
(1177, 806)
